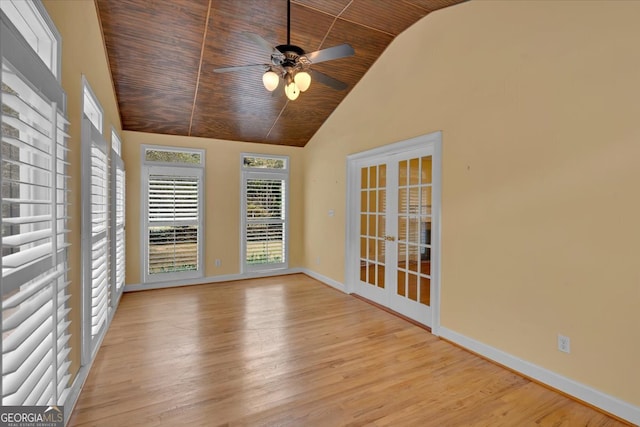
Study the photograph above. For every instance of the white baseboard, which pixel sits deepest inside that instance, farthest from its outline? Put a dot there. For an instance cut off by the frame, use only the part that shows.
(74, 393)
(83, 373)
(610, 404)
(587, 394)
(324, 279)
(209, 279)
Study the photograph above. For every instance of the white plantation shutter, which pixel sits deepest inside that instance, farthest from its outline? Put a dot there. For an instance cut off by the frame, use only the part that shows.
(265, 232)
(174, 223)
(95, 236)
(117, 226)
(265, 219)
(35, 336)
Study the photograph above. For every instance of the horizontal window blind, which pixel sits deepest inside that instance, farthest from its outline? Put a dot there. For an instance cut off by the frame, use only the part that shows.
(35, 336)
(265, 239)
(95, 236)
(173, 223)
(118, 238)
(117, 219)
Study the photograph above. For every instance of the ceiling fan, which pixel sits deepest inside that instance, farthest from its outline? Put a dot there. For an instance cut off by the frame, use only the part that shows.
(291, 64)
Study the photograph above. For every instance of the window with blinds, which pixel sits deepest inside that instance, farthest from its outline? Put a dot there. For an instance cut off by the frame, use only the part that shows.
(117, 225)
(35, 335)
(173, 223)
(95, 243)
(173, 215)
(265, 181)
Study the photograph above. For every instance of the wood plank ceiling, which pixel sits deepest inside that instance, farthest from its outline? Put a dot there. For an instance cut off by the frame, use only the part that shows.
(162, 55)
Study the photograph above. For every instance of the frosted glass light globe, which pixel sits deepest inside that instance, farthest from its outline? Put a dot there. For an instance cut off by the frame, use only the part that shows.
(292, 91)
(270, 80)
(303, 80)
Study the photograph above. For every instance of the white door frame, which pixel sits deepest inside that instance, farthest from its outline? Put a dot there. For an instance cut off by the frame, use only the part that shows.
(352, 249)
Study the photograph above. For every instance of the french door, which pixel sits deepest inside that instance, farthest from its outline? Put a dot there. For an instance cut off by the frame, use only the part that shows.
(394, 228)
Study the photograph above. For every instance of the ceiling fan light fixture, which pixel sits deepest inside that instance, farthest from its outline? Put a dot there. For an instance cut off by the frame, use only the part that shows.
(302, 80)
(270, 80)
(292, 91)
(291, 62)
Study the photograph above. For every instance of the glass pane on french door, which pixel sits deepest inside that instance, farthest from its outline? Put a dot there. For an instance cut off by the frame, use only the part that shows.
(373, 199)
(414, 217)
(393, 227)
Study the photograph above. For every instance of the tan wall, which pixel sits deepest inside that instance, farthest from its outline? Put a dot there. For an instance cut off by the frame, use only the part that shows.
(222, 202)
(538, 104)
(83, 53)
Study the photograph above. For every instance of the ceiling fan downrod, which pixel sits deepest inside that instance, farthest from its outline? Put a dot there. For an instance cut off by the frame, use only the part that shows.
(291, 53)
(292, 69)
(291, 64)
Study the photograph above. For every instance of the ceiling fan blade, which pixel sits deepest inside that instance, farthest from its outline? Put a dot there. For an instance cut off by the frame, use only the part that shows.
(330, 53)
(259, 41)
(327, 80)
(240, 68)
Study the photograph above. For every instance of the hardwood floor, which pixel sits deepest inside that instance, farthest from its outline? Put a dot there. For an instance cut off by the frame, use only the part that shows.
(290, 351)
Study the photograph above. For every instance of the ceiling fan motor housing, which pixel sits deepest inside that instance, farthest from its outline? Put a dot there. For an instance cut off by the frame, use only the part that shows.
(292, 56)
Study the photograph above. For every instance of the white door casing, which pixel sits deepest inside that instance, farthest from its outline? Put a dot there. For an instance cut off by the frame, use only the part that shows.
(378, 259)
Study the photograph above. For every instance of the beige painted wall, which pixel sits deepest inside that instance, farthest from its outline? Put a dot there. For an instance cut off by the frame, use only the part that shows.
(222, 202)
(83, 53)
(538, 104)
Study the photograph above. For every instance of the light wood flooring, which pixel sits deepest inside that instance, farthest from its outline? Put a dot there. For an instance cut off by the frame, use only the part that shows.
(290, 351)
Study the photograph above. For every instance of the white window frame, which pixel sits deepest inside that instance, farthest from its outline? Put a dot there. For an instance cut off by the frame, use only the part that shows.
(32, 21)
(150, 167)
(117, 203)
(263, 173)
(116, 142)
(91, 107)
(36, 290)
(93, 287)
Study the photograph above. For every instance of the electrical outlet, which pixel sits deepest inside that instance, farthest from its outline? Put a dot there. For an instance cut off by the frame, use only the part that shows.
(318, 260)
(564, 344)
(218, 263)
